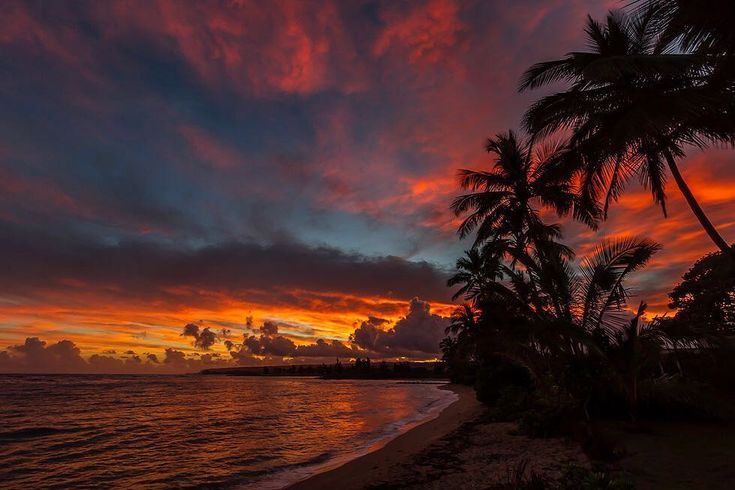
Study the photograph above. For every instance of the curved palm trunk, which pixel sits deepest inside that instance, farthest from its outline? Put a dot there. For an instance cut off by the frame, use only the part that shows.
(697, 209)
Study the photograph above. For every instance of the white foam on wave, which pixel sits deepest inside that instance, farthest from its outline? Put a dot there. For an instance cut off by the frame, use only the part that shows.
(284, 477)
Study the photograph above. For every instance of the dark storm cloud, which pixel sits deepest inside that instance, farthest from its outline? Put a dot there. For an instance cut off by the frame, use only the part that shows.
(38, 356)
(204, 338)
(35, 355)
(270, 344)
(35, 262)
(418, 333)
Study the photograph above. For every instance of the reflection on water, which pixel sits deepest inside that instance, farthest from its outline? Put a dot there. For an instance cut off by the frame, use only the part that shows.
(188, 431)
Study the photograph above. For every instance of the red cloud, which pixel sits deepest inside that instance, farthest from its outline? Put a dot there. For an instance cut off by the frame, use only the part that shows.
(428, 32)
(418, 89)
(265, 48)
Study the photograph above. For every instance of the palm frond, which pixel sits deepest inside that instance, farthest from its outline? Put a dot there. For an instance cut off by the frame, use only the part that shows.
(603, 273)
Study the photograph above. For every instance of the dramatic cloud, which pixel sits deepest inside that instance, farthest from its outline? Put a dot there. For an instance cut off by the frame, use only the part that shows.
(419, 332)
(290, 162)
(144, 269)
(204, 338)
(279, 346)
(270, 344)
(37, 357)
(269, 328)
(415, 336)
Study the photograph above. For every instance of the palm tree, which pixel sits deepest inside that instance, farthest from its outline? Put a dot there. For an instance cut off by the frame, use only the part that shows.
(635, 347)
(503, 202)
(477, 269)
(697, 26)
(632, 107)
(503, 205)
(463, 321)
(600, 287)
(591, 315)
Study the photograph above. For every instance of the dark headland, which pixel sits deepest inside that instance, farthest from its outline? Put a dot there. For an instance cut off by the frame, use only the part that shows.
(359, 369)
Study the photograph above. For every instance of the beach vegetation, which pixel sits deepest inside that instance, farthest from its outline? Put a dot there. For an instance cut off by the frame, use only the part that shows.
(547, 334)
(574, 477)
(634, 105)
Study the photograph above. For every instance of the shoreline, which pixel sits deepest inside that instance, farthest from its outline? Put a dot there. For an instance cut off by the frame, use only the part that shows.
(376, 466)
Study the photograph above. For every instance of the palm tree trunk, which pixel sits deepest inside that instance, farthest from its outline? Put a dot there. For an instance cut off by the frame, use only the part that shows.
(697, 209)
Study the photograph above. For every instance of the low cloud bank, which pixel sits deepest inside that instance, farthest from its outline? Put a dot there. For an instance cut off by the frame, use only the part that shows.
(64, 357)
(415, 336)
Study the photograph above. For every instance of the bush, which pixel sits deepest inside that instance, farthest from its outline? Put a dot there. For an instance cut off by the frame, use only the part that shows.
(498, 374)
(596, 478)
(516, 479)
(680, 400)
(512, 403)
(574, 478)
(546, 420)
(599, 444)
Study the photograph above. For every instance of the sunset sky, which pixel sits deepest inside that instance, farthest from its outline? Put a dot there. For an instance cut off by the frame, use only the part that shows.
(278, 169)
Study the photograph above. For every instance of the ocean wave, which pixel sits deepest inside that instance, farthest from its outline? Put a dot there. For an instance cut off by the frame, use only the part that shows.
(31, 433)
(177, 432)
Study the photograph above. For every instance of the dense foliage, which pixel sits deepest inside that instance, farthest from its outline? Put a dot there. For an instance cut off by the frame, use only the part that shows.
(705, 298)
(546, 336)
(635, 102)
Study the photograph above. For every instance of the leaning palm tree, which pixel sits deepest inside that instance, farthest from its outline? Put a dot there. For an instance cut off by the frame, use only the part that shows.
(633, 105)
(505, 201)
(697, 26)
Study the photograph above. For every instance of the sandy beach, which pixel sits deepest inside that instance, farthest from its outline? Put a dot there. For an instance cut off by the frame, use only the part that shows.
(458, 449)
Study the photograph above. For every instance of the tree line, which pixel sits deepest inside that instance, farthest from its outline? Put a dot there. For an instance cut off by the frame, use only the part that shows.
(546, 334)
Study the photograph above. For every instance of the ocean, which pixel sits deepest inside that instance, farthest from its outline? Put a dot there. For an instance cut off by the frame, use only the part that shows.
(94, 431)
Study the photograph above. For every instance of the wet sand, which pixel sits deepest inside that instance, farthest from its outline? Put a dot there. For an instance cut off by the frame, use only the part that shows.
(458, 449)
(380, 465)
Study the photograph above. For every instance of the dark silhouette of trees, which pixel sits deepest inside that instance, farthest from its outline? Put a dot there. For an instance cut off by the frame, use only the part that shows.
(705, 298)
(503, 203)
(633, 105)
(540, 328)
(702, 27)
(477, 269)
(529, 305)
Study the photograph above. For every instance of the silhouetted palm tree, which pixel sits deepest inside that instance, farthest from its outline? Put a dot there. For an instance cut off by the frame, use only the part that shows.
(586, 316)
(632, 107)
(503, 202)
(634, 347)
(704, 27)
(463, 322)
(479, 267)
(600, 287)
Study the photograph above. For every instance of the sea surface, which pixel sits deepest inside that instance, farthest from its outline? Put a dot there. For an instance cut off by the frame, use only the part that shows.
(196, 431)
